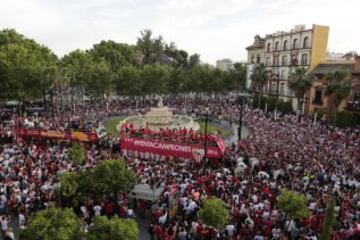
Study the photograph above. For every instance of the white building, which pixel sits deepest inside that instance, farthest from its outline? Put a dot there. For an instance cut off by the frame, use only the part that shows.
(224, 64)
(255, 56)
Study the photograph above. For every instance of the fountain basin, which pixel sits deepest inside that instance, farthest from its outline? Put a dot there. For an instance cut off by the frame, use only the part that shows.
(174, 122)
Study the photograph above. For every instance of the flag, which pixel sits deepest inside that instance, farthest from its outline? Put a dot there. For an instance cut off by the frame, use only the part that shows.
(198, 155)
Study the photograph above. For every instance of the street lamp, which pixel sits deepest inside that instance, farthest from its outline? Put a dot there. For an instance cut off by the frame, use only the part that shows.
(206, 137)
(240, 118)
(241, 100)
(275, 78)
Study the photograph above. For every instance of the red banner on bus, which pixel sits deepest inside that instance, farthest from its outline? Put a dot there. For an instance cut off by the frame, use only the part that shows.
(57, 135)
(168, 148)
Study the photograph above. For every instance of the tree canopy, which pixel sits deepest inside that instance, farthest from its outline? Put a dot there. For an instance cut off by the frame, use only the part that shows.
(300, 82)
(114, 229)
(259, 77)
(329, 220)
(106, 179)
(214, 213)
(77, 153)
(338, 86)
(293, 204)
(52, 224)
(29, 70)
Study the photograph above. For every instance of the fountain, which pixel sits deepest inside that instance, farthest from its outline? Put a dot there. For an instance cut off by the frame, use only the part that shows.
(161, 117)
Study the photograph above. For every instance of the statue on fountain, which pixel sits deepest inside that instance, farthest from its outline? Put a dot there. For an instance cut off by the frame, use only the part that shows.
(161, 117)
(160, 103)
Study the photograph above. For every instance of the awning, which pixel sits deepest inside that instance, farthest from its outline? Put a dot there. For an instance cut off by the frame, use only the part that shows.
(145, 192)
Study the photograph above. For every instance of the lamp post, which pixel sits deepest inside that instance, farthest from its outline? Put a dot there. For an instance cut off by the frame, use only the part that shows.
(206, 137)
(275, 78)
(241, 100)
(240, 118)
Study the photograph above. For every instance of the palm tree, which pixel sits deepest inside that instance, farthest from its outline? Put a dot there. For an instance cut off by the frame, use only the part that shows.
(300, 82)
(338, 87)
(259, 77)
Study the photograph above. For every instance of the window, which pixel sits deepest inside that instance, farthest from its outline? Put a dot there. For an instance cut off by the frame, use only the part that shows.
(282, 75)
(258, 59)
(286, 47)
(294, 60)
(304, 59)
(318, 97)
(291, 92)
(268, 47)
(282, 88)
(276, 61)
(295, 44)
(306, 42)
(253, 59)
(267, 61)
(284, 60)
(277, 46)
(274, 88)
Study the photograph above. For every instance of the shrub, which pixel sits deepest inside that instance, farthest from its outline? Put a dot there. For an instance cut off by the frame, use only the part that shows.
(293, 204)
(344, 119)
(214, 213)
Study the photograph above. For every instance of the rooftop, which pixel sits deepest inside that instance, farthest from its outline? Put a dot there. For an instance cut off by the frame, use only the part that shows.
(330, 66)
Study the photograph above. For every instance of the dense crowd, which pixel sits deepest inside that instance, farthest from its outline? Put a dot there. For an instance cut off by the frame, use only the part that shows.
(173, 135)
(286, 151)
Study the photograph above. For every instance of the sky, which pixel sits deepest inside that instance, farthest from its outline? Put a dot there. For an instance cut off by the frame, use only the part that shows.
(215, 29)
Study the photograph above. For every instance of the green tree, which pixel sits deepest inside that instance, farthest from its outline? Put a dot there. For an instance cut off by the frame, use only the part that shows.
(68, 184)
(346, 119)
(117, 55)
(99, 80)
(293, 204)
(111, 177)
(236, 78)
(214, 213)
(75, 67)
(201, 79)
(259, 77)
(176, 83)
(10, 36)
(87, 74)
(155, 79)
(68, 192)
(77, 154)
(329, 220)
(338, 87)
(114, 229)
(108, 178)
(52, 224)
(151, 48)
(194, 60)
(180, 57)
(128, 81)
(27, 69)
(300, 82)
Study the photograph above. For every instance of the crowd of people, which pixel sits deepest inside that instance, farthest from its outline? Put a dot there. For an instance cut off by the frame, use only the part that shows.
(292, 152)
(173, 135)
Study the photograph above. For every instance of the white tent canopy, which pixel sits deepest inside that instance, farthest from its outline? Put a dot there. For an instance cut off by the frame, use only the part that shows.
(145, 192)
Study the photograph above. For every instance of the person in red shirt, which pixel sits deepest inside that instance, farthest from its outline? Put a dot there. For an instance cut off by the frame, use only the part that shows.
(199, 230)
(205, 233)
(109, 208)
(158, 231)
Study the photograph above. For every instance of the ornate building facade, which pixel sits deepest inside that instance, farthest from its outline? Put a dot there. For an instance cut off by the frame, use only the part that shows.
(282, 52)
